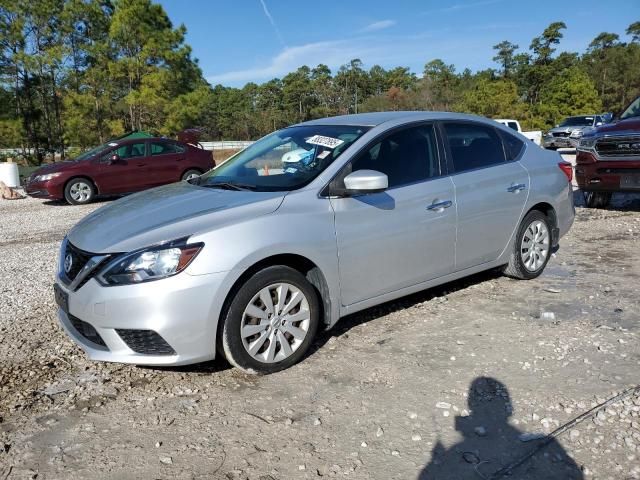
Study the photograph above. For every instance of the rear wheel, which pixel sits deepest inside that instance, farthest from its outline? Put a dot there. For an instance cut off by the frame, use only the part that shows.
(597, 199)
(271, 321)
(79, 191)
(190, 174)
(531, 248)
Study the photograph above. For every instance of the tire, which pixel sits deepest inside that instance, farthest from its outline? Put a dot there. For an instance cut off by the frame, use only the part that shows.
(597, 199)
(189, 174)
(534, 224)
(79, 191)
(261, 330)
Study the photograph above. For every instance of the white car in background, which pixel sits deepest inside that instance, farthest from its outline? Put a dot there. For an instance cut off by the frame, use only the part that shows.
(535, 135)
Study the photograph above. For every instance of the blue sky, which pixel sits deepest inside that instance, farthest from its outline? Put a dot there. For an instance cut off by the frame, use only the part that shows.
(255, 40)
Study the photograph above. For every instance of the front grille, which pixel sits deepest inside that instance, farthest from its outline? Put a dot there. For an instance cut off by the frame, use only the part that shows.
(79, 259)
(87, 331)
(619, 147)
(146, 342)
(561, 134)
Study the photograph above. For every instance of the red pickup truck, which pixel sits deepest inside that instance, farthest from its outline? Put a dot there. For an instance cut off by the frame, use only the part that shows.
(608, 158)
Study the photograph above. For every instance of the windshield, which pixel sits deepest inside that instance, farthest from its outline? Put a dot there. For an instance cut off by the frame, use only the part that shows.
(577, 122)
(92, 152)
(632, 110)
(285, 160)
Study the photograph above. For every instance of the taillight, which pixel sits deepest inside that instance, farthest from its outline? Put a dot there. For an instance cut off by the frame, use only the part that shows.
(567, 168)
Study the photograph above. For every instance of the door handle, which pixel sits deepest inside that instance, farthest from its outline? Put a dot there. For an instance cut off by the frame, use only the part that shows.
(516, 187)
(141, 164)
(440, 206)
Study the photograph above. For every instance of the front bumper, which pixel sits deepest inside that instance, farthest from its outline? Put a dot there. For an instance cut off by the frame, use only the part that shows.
(607, 176)
(112, 323)
(50, 190)
(557, 142)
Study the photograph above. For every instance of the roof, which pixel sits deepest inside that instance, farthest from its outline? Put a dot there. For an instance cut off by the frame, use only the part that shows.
(377, 118)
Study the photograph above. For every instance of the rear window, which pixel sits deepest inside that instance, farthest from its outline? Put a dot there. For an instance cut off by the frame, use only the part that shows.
(513, 146)
(163, 148)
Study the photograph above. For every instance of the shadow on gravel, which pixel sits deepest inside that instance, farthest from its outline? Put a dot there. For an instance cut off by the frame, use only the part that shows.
(491, 448)
(350, 321)
(63, 203)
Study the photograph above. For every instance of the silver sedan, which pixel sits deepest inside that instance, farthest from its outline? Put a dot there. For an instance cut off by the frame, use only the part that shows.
(310, 223)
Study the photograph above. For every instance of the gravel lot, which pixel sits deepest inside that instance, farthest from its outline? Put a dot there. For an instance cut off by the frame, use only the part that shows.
(448, 383)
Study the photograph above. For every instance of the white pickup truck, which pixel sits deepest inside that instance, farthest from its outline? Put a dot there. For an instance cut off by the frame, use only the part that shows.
(535, 135)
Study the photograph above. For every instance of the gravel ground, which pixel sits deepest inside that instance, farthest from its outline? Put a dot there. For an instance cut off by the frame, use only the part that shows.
(454, 382)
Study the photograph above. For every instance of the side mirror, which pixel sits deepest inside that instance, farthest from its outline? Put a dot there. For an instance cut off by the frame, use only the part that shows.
(598, 124)
(115, 158)
(366, 181)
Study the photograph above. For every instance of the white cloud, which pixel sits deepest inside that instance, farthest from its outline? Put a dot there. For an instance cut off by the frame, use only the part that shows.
(331, 53)
(463, 6)
(387, 50)
(381, 25)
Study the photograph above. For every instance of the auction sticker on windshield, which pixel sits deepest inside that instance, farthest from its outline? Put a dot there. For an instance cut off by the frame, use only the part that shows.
(328, 142)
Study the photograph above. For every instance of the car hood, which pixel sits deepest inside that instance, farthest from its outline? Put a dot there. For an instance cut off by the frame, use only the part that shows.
(55, 167)
(629, 125)
(569, 129)
(167, 213)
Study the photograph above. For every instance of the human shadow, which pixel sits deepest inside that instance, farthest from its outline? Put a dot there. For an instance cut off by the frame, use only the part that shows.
(490, 446)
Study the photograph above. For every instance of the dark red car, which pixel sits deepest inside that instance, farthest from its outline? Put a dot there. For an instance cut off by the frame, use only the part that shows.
(608, 158)
(119, 167)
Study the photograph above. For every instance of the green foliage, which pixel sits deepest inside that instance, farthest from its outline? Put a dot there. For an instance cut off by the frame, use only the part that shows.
(571, 92)
(74, 73)
(493, 99)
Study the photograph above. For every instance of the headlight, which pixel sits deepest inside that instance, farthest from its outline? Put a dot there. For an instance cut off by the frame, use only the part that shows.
(587, 143)
(576, 134)
(150, 264)
(48, 176)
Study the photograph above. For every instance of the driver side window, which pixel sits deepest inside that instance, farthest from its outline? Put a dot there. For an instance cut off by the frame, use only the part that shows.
(406, 156)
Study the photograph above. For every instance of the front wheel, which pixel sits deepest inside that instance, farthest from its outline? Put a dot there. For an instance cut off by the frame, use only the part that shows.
(79, 191)
(271, 322)
(597, 199)
(531, 248)
(190, 174)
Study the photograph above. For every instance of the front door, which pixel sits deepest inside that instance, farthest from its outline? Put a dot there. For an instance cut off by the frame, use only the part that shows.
(403, 236)
(491, 192)
(128, 172)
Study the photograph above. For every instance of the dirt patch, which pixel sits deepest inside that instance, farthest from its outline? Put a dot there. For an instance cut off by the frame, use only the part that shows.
(459, 379)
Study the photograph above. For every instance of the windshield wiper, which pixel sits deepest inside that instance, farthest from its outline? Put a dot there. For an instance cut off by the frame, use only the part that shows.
(229, 186)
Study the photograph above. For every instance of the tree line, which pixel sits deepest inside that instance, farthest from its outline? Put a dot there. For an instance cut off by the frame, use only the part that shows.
(79, 72)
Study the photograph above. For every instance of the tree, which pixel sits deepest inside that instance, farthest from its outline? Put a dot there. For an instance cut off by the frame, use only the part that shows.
(542, 46)
(634, 31)
(493, 99)
(571, 92)
(504, 57)
(441, 80)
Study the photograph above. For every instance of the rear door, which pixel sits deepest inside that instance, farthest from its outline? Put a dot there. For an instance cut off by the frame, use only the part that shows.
(402, 236)
(129, 172)
(491, 190)
(166, 161)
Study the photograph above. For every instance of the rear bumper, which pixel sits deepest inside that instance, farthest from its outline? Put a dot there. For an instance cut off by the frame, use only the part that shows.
(607, 176)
